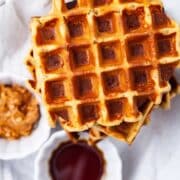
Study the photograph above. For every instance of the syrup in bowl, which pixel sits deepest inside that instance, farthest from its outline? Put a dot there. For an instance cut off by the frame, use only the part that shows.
(78, 161)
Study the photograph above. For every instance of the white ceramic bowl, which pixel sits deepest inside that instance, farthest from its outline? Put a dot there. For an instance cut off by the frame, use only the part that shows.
(113, 161)
(16, 149)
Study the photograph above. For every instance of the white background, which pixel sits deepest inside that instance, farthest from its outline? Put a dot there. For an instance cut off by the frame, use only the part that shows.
(155, 154)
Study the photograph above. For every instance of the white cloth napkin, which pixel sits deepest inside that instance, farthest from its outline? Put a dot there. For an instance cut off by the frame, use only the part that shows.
(155, 154)
(15, 16)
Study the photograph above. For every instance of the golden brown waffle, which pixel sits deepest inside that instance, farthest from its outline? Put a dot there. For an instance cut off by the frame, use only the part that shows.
(95, 62)
(125, 132)
(97, 133)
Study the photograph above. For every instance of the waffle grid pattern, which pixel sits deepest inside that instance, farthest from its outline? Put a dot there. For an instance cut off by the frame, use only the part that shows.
(92, 70)
(66, 46)
(125, 131)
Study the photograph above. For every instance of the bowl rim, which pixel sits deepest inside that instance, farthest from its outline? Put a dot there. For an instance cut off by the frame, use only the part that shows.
(62, 137)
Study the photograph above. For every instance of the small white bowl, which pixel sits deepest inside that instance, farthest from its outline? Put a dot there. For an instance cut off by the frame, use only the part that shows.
(113, 162)
(16, 149)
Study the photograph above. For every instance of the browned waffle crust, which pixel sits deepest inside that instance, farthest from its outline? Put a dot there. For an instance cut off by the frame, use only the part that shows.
(103, 62)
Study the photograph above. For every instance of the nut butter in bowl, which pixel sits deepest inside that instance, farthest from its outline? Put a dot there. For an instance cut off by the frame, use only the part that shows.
(23, 127)
(61, 159)
(19, 111)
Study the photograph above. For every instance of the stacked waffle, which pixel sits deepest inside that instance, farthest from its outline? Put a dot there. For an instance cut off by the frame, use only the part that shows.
(103, 65)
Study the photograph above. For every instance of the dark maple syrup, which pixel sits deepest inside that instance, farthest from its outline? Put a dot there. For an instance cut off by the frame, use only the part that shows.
(76, 161)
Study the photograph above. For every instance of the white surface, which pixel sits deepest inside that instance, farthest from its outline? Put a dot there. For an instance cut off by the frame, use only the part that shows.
(155, 154)
(25, 145)
(113, 162)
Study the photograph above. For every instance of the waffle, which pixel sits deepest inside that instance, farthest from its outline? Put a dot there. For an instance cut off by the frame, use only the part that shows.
(98, 40)
(95, 61)
(97, 133)
(125, 132)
